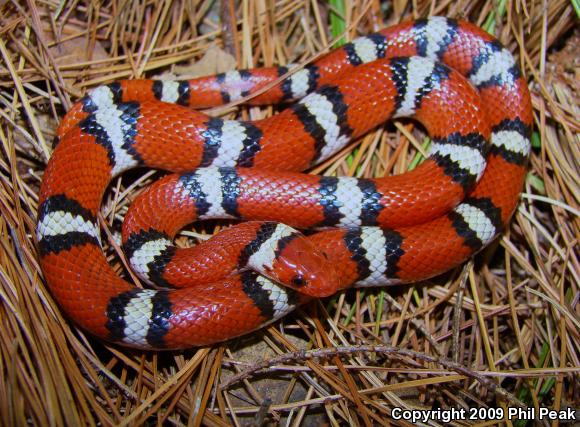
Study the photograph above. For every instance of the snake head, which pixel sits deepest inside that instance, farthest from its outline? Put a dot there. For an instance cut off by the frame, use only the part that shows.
(301, 266)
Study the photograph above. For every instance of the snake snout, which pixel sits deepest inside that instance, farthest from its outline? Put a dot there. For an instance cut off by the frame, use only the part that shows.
(303, 267)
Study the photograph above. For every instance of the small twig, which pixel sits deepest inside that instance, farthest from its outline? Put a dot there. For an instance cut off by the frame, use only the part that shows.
(229, 28)
(260, 417)
(324, 353)
(457, 310)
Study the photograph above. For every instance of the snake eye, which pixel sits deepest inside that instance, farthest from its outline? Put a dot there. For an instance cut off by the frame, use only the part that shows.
(298, 281)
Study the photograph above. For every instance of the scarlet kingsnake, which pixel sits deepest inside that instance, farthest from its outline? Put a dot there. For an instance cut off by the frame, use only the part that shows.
(394, 230)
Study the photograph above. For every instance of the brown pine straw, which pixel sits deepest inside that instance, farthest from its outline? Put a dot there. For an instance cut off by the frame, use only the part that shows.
(501, 331)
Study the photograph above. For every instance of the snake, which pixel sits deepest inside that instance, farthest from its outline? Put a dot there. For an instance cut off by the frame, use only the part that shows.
(454, 78)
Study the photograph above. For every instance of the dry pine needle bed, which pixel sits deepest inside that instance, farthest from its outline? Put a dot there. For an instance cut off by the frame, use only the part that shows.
(501, 332)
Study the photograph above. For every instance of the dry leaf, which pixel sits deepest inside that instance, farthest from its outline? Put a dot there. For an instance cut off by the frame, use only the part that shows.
(215, 60)
(75, 50)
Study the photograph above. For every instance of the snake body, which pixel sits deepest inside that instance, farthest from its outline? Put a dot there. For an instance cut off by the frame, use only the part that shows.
(391, 230)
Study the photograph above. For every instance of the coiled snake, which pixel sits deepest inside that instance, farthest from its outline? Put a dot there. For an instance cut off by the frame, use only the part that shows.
(395, 229)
